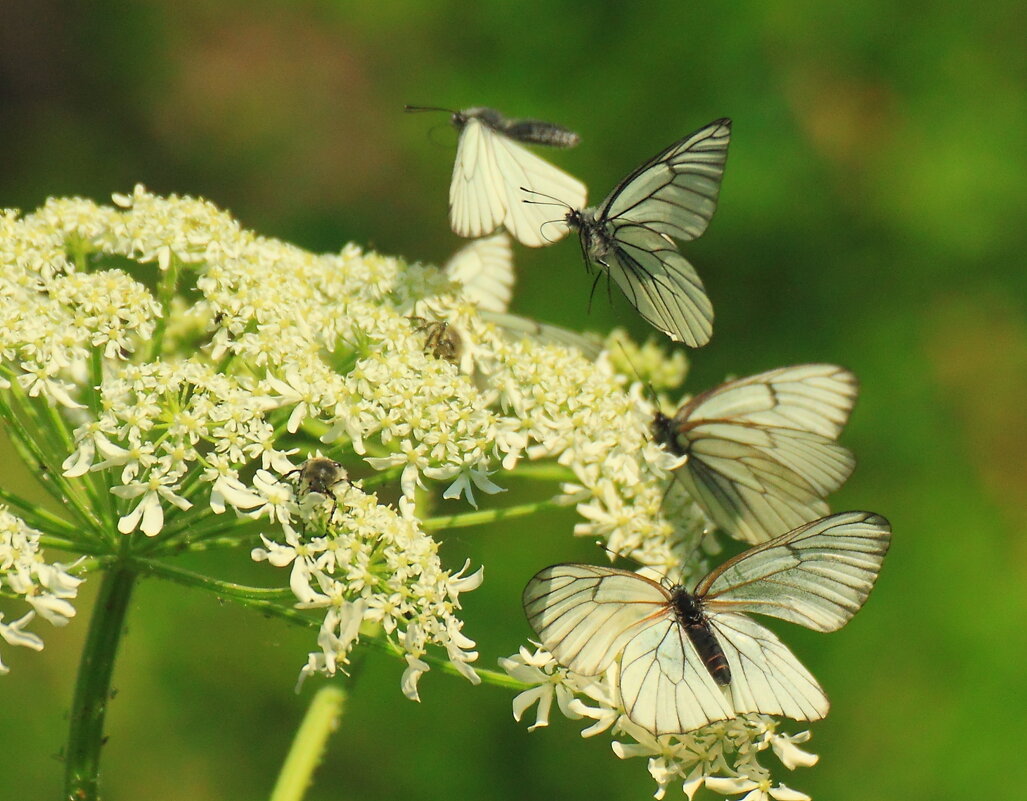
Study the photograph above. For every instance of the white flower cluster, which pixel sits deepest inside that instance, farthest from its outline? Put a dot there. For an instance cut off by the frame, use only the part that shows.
(194, 359)
(724, 756)
(46, 587)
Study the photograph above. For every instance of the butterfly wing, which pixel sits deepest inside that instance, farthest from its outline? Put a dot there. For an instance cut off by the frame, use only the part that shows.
(818, 575)
(486, 192)
(485, 269)
(517, 326)
(661, 284)
(761, 451)
(585, 614)
(477, 202)
(518, 170)
(765, 676)
(675, 193)
(664, 686)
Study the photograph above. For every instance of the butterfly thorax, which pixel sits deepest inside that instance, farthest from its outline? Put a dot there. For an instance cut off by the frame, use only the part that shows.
(595, 242)
(690, 615)
(490, 117)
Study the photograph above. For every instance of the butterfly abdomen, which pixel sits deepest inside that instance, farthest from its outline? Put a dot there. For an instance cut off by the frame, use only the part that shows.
(537, 132)
(693, 621)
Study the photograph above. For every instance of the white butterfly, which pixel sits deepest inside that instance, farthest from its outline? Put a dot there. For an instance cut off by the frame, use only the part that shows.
(491, 168)
(760, 454)
(631, 234)
(687, 659)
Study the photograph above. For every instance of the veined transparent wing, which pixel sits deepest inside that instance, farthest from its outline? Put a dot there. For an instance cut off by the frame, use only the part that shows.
(585, 614)
(761, 454)
(818, 575)
(485, 269)
(766, 677)
(664, 686)
(807, 397)
(675, 193)
(661, 284)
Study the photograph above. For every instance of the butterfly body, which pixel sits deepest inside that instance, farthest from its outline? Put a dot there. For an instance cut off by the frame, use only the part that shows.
(532, 132)
(690, 614)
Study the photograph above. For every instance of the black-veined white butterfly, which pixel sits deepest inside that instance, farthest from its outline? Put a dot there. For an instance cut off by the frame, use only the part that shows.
(492, 166)
(687, 659)
(631, 234)
(760, 455)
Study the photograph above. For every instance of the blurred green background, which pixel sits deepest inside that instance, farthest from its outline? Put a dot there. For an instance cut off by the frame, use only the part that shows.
(872, 214)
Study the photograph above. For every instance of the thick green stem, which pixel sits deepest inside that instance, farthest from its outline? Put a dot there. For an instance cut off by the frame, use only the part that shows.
(93, 687)
(308, 746)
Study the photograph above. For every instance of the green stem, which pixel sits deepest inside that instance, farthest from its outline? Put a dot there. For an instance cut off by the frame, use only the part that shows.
(484, 516)
(239, 592)
(31, 453)
(36, 516)
(93, 686)
(308, 745)
(543, 471)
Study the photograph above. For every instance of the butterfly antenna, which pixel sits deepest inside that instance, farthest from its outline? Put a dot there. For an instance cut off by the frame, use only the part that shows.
(555, 201)
(654, 399)
(609, 551)
(547, 222)
(415, 109)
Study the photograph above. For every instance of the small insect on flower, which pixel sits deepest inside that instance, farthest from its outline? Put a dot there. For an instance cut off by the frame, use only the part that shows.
(491, 167)
(441, 339)
(688, 659)
(631, 234)
(760, 455)
(321, 475)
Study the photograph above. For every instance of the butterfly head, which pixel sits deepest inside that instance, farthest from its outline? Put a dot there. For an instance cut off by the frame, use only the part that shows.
(460, 118)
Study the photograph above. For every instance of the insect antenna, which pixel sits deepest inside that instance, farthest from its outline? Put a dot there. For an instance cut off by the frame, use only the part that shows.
(552, 201)
(414, 109)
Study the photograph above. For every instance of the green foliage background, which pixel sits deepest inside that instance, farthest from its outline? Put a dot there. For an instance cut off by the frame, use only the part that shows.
(872, 215)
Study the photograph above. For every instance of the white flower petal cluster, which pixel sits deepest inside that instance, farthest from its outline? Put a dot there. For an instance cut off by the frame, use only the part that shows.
(373, 565)
(724, 756)
(194, 359)
(46, 587)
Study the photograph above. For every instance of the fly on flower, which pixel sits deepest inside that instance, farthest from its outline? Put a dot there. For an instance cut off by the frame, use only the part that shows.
(491, 166)
(441, 339)
(760, 452)
(687, 659)
(631, 234)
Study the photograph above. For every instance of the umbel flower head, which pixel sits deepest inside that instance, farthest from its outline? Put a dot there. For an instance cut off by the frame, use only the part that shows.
(169, 374)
